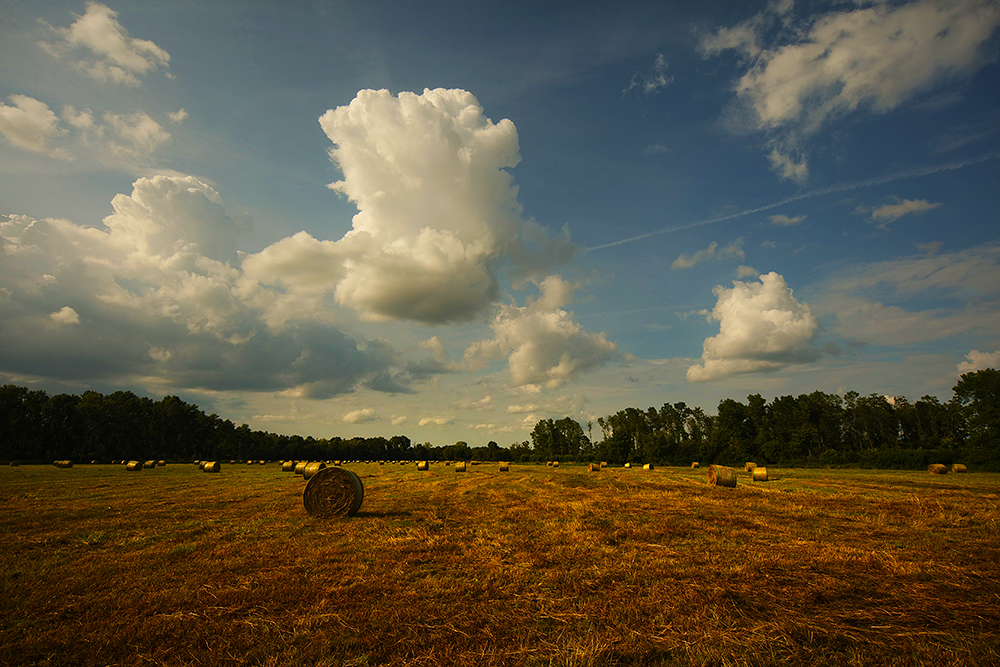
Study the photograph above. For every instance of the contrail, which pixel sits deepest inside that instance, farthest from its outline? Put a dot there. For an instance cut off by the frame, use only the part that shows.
(808, 194)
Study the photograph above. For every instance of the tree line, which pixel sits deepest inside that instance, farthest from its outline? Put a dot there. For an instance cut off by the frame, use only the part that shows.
(809, 429)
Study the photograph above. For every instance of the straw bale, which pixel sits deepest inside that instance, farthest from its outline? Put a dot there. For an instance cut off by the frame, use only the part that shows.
(604, 464)
(423, 465)
(134, 466)
(504, 466)
(937, 469)
(548, 464)
(312, 469)
(212, 466)
(759, 474)
(648, 466)
(555, 464)
(721, 476)
(64, 463)
(628, 464)
(459, 466)
(288, 466)
(749, 466)
(955, 467)
(300, 467)
(594, 467)
(15, 463)
(149, 464)
(161, 463)
(333, 492)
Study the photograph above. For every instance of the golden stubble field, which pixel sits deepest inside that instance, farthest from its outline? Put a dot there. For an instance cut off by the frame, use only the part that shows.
(536, 566)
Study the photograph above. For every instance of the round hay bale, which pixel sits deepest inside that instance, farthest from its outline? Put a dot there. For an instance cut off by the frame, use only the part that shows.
(721, 476)
(759, 474)
(460, 466)
(749, 466)
(149, 464)
(955, 467)
(548, 464)
(336, 463)
(423, 465)
(14, 464)
(648, 466)
(197, 462)
(65, 463)
(202, 464)
(288, 466)
(594, 467)
(694, 464)
(300, 467)
(333, 492)
(212, 466)
(161, 463)
(604, 464)
(555, 464)
(628, 465)
(312, 469)
(134, 466)
(504, 466)
(937, 469)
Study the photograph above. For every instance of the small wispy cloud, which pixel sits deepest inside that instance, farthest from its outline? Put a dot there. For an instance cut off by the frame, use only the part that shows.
(883, 215)
(650, 82)
(712, 252)
(785, 221)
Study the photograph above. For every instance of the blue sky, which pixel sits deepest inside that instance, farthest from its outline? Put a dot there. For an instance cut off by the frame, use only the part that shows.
(449, 221)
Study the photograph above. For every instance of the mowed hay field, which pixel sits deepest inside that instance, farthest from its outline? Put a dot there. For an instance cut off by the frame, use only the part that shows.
(536, 566)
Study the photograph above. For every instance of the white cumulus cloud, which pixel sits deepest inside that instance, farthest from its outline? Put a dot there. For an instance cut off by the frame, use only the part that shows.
(362, 416)
(543, 343)
(436, 207)
(104, 49)
(31, 125)
(762, 327)
(977, 361)
(65, 315)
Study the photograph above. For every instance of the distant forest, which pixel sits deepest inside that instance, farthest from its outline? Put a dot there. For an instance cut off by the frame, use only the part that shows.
(816, 429)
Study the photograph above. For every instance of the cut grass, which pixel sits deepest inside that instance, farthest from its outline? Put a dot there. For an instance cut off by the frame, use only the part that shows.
(538, 566)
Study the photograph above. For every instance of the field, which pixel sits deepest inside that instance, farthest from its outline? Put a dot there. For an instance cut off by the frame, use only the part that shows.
(537, 566)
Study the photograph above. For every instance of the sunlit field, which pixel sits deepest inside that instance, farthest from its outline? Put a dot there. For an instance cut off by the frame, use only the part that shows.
(536, 566)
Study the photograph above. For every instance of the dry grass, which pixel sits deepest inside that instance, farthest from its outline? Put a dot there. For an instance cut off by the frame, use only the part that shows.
(538, 566)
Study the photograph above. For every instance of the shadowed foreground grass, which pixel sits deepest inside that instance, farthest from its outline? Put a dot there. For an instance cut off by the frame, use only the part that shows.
(173, 566)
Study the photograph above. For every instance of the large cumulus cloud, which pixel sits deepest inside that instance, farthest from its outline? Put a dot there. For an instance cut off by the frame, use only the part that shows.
(762, 327)
(157, 295)
(437, 209)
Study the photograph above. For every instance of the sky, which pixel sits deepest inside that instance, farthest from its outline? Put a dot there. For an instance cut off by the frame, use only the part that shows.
(449, 220)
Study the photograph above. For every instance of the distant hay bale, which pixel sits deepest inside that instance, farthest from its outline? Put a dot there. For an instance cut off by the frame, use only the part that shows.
(300, 467)
(64, 463)
(628, 464)
(197, 462)
(423, 465)
(694, 464)
(161, 463)
(134, 466)
(201, 465)
(548, 463)
(937, 469)
(336, 463)
(459, 466)
(749, 466)
(288, 466)
(262, 462)
(251, 462)
(504, 466)
(721, 476)
(604, 464)
(333, 492)
(212, 466)
(149, 464)
(312, 469)
(759, 474)
(14, 464)
(594, 467)
(648, 466)
(555, 464)
(955, 467)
